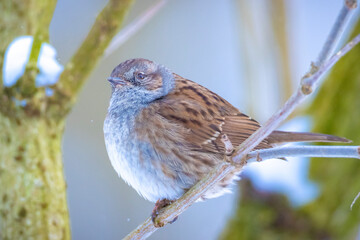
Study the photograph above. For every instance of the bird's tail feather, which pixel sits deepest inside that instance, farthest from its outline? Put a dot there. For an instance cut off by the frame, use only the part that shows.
(284, 137)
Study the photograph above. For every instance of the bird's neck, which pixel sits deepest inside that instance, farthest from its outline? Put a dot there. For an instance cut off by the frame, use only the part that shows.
(126, 101)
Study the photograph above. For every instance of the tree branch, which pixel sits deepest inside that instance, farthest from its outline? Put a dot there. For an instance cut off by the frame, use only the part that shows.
(306, 87)
(81, 64)
(305, 151)
(334, 110)
(307, 84)
(170, 212)
(354, 201)
(33, 18)
(336, 32)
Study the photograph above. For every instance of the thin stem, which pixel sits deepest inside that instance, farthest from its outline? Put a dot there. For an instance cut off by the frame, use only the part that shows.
(354, 201)
(76, 71)
(335, 34)
(305, 151)
(167, 214)
(128, 31)
(305, 88)
(309, 82)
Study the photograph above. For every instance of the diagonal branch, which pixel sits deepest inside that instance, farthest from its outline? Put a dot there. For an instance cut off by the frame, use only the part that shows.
(306, 87)
(81, 64)
(169, 213)
(354, 201)
(336, 32)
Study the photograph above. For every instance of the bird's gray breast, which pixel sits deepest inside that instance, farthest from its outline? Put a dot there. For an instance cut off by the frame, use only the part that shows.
(124, 150)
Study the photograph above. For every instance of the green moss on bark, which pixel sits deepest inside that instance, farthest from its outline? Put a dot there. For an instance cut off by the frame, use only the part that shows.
(32, 186)
(33, 191)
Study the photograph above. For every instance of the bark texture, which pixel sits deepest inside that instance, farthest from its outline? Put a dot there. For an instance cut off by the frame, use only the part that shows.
(33, 190)
(32, 186)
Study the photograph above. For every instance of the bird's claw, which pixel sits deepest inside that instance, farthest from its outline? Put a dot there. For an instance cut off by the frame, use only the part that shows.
(155, 212)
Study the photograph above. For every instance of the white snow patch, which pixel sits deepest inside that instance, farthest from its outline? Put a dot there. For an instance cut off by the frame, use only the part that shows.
(50, 68)
(17, 56)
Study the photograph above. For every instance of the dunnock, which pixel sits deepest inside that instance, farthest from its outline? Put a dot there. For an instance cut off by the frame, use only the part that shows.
(163, 132)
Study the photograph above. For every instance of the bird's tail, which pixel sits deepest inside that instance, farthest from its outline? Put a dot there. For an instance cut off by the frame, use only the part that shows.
(284, 137)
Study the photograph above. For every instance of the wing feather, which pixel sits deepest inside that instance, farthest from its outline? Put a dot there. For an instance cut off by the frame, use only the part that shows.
(205, 116)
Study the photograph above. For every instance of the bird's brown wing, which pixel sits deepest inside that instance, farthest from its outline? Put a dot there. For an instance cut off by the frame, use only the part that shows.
(206, 117)
(197, 117)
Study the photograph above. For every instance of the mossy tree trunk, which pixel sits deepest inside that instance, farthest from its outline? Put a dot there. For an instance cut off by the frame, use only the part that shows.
(336, 110)
(33, 190)
(32, 186)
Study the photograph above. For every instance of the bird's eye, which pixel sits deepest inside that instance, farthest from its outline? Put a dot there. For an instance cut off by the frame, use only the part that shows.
(140, 75)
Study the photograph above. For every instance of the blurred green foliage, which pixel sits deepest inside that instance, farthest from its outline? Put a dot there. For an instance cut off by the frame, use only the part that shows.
(335, 110)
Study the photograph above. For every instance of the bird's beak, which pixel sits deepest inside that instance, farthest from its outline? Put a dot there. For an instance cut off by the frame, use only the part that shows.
(116, 81)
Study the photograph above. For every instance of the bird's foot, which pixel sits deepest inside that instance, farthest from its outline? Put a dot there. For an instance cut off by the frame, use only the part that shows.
(155, 212)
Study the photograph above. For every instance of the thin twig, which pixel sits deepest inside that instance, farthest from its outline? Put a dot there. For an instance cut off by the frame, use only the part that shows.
(306, 87)
(335, 33)
(305, 151)
(354, 201)
(88, 54)
(308, 83)
(133, 27)
(176, 208)
(167, 214)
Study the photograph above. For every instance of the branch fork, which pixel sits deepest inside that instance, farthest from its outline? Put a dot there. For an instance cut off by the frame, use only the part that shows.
(239, 156)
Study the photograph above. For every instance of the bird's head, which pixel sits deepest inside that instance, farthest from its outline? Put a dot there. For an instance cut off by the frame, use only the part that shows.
(144, 78)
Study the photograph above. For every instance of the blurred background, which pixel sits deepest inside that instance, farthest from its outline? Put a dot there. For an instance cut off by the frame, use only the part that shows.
(252, 53)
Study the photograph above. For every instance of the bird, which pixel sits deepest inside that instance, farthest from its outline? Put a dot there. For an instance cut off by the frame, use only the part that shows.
(163, 132)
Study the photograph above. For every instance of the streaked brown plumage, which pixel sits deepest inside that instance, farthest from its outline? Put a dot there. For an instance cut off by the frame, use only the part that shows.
(173, 130)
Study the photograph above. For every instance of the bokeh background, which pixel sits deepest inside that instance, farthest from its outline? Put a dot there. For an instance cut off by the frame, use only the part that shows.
(231, 47)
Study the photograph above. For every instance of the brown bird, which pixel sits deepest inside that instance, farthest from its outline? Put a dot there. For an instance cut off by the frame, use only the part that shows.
(163, 132)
